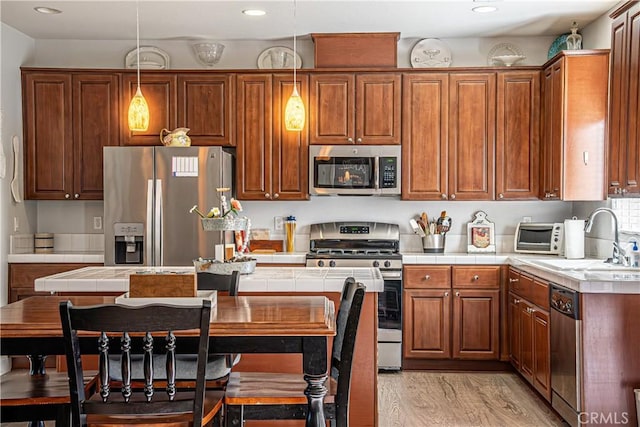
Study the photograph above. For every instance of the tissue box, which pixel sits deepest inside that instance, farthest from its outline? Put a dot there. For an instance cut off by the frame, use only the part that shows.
(168, 284)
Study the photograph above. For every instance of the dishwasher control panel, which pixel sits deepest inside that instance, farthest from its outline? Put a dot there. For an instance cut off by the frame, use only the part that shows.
(565, 301)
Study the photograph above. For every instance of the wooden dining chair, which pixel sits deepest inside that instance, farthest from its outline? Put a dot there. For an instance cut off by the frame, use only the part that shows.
(277, 396)
(148, 329)
(218, 365)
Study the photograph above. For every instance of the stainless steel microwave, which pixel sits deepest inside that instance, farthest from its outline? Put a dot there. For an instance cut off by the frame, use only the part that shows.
(354, 170)
(539, 238)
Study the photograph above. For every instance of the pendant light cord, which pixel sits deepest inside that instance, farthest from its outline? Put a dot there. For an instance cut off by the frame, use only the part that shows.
(295, 52)
(138, 42)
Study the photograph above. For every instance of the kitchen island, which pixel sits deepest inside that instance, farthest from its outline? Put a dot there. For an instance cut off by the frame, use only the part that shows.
(267, 281)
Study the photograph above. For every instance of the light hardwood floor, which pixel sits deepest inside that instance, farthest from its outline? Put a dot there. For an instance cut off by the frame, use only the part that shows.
(460, 399)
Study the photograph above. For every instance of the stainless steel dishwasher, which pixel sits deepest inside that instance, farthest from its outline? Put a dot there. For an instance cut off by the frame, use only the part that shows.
(566, 345)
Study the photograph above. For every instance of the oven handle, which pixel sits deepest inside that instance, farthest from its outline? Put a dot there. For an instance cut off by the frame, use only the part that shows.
(376, 169)
(386, 274)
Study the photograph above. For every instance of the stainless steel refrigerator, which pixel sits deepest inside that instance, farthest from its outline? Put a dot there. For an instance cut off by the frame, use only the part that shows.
(148, 192)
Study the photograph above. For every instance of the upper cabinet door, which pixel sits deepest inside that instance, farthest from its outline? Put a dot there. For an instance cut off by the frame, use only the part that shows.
(633, 151)
(472, 118)
(424, 128)
(159, 89)
(331, 109)
(290, 153)
(95, 125)
(48, 137)
(518, 135)
(205, 107)
(378, 107)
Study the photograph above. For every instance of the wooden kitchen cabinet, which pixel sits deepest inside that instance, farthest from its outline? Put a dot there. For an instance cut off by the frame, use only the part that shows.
(68, 119)
(23, 275)
(205, 107)
(272, 163)
(160, 91)
(529, 349)
(574, 119)
(624, 113)
(472, 128)
(355, 108)
(451, 312)
(518, 135)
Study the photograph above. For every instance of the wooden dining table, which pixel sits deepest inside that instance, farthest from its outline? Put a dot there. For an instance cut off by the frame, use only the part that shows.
(244, 324)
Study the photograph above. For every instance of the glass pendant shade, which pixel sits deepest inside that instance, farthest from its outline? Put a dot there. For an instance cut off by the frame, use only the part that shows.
(294, 114)
(138, 112)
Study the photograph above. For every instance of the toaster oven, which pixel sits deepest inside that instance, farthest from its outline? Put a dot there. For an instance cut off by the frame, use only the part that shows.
(539, 238)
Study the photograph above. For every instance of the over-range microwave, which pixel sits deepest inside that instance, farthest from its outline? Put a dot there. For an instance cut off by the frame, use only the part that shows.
(354, 170)
(539, 238)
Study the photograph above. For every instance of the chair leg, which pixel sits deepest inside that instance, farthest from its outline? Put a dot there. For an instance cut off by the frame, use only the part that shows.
(64, 417)
(233, 416)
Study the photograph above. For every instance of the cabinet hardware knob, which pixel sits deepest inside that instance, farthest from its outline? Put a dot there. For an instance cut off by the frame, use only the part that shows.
(267, 195)
(513, 280)
(276, 195)
(476, 277)
(76, 196)
(516, 301)
(453, 196)
(444, 196)
(350, 140)
(66, 196)
(446, 294)
(501, 196)
(457, 294)
(359, 140)
(427, 277)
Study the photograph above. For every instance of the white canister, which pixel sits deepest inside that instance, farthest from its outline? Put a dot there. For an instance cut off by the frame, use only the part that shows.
(574, 238)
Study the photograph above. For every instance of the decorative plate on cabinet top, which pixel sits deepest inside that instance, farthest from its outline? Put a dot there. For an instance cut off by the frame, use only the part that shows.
(505, 54)
(430, 53)
(278, 57)
(558, 44)
(151, 58)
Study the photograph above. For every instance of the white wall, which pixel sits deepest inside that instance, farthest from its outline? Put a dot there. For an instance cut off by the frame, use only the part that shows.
(16, 49)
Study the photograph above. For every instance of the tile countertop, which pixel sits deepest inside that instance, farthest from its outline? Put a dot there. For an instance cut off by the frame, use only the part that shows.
(264, 279)
(98, 257)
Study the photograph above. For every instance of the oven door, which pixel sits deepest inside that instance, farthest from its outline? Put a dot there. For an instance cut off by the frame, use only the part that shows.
(390, 321)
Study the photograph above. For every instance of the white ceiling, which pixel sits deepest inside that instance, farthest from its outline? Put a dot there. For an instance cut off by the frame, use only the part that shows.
(223, 20)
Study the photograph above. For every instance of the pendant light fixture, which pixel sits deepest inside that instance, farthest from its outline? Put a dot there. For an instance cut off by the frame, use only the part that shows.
(294, 114)
(138, 109)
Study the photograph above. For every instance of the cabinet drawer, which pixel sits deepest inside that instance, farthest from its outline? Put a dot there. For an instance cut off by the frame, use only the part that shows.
(423, 277)
(520, 284)
(476, 277)
(539, 294)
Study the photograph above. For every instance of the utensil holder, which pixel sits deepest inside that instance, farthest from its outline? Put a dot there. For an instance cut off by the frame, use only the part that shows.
(433, 243)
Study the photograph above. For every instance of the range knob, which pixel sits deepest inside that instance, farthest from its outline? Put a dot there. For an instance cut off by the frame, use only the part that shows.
(387, 264)
(320, 263)
(332, 263)
(376, 264)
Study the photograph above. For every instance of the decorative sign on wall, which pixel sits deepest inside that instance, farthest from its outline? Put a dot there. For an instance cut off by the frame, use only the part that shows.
(481, 234)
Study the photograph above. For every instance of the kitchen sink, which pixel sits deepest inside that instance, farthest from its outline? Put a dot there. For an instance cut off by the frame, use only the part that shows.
(584, 264)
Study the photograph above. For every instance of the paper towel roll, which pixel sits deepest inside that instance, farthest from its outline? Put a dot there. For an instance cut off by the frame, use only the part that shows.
(574, 238)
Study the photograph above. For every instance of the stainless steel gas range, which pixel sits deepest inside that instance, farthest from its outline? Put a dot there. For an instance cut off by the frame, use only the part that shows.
(367, 244)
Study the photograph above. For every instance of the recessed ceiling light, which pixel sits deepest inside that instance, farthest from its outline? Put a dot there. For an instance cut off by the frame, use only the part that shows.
(254, 12)
(484, 9)
(47, 10)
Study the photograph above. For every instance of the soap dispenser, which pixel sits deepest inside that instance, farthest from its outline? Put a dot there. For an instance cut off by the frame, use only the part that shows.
(635, 255)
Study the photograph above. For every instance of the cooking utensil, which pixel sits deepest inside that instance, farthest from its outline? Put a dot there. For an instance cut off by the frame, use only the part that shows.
(15, 188)
(416, 227)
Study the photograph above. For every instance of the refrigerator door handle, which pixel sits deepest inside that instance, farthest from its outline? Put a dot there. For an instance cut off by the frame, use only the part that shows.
(158, 246)
(149, 231)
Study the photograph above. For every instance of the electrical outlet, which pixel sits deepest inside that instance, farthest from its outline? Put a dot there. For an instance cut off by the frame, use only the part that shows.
(97, 223)
(526, 219)
(278, 223)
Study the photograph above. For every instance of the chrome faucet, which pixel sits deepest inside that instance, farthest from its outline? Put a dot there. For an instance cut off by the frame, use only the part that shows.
(619, 255)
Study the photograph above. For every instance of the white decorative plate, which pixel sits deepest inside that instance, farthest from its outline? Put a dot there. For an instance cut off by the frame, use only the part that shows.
(430, 53)
(151, 58)
(278, 57)
(505, 54)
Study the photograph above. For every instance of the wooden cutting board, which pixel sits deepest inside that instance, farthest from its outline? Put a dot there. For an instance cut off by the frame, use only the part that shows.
(162, 285)
(266, 246)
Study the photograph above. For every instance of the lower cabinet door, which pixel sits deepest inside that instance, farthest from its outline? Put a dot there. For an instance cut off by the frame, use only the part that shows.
(476, 324)
(526, 340)
(514, 330)
(427, 324)
(541, 353)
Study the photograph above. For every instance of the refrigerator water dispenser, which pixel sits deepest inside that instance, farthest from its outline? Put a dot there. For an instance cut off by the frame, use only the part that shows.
(129, 247)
